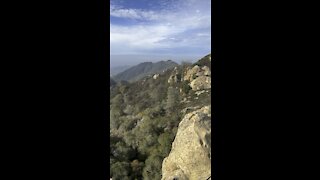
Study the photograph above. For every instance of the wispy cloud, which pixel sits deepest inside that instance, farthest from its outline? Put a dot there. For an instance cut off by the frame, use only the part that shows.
(177, 25)
(138, 14)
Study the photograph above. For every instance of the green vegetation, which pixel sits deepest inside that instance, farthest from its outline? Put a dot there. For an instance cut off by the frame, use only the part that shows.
(143, 121)
(205, 61)
(185, 87)
(144, 117)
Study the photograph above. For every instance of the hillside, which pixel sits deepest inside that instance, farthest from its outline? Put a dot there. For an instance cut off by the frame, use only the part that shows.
(118, 69)
(112, 82)
(143, 69)
(149, 121)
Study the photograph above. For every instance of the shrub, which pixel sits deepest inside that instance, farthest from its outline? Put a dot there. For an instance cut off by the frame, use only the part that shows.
(185, 87)
(152, 170)
(120, 171)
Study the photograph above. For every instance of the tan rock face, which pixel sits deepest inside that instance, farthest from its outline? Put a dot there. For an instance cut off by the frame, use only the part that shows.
(206, 71)
(191, 72)
(200, 78)
(200, 83)
(190, 157)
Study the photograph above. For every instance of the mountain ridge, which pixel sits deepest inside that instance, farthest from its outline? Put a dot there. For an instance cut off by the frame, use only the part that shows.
(144, 69)
(118, 69)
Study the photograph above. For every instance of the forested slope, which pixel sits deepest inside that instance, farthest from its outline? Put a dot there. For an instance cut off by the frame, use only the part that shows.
(145, 116)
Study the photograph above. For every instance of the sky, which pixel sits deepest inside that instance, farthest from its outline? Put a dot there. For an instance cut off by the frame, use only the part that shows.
(153, 30)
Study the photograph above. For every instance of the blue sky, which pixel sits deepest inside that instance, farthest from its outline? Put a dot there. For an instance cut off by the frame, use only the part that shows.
(152, 30)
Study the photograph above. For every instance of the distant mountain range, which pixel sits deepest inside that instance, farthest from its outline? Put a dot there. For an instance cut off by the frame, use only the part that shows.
(144, 69)
(118, 69)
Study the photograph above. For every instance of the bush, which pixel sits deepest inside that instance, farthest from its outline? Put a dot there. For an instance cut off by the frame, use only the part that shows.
(165, 140)
(120, 171)
(137, 168)
(123, 152)
(152, 170)
(126, 124)
(172, 99)
(185, 87)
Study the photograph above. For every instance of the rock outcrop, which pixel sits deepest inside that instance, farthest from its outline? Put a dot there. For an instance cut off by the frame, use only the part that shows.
(200, 83)
(190, 156)
(199, 77)
(174, 77)
(191, 73)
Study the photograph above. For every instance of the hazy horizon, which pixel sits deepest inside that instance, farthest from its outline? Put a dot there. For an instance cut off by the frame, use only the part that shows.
(150, 31)
(132, 60)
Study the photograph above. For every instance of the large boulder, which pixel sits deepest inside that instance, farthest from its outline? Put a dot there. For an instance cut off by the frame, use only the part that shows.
(190, 73)
(206, 71)
(200, 78)
(190, 156)
(201, 83)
